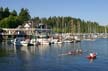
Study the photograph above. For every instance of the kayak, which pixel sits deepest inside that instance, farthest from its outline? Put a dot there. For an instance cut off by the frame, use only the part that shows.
(89, 57)
(92, 56)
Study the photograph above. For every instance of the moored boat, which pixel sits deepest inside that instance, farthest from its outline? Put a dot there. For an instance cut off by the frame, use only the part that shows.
(19, 41)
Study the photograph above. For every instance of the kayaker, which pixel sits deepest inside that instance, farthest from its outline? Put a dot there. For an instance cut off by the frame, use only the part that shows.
(91, 55)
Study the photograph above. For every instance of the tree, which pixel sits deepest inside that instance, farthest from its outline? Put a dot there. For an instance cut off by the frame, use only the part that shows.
(60, 23)
(6, 12)
(24, 15)
(1, 9)
(1, 13)
(10, 22)
(14, 13)
(37, 20)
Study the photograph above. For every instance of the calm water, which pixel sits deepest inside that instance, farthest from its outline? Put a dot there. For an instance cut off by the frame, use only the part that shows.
(48, 58)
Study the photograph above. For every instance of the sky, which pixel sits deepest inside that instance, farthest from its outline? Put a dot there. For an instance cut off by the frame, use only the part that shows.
(88, 10)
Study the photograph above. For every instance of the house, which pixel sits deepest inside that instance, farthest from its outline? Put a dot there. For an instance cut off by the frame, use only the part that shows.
(43, 28)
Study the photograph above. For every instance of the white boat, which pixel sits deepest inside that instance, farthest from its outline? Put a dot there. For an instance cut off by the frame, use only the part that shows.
(19, 41)
(56, 41)
(33, 42)
(43, 41)
(24, 43)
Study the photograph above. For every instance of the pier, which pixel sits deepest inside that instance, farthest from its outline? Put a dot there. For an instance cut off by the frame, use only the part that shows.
(12, 32)
(9, 31)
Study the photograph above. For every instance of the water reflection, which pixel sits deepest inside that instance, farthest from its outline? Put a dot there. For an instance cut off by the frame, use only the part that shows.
(27, 53)
(6, 50)
(91, 60)
(46, 57)
(3, 52)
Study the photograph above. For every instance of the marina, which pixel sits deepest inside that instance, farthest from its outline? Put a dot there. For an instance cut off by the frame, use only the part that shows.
(53, 35)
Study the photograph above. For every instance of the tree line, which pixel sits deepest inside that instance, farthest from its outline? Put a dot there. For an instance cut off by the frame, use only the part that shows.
(11, 19)
(60, 24)
(70, 25)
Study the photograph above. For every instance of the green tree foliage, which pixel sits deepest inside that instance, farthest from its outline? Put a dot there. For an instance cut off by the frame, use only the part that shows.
(36, 20)
(63, 24)
(14, 13)
(44, 20)
(24, 15)
(6, 12)
(11, 19)
(1, 13)
(10, 22)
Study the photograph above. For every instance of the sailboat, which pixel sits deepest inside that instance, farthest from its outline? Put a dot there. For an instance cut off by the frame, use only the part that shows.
(70, 37)
(105, 34)
(57, 38)
(90, 36)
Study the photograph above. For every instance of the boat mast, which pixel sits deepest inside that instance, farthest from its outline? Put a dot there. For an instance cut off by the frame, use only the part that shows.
(105, 32)
(78, 23)
(71, 27)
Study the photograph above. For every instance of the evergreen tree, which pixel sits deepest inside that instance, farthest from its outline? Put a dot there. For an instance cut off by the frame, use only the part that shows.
(24, 15)
(1, 13)
(37, 20)
(6, 12)
(14, 13)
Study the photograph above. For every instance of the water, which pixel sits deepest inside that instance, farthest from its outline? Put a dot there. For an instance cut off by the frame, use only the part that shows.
(48, 58)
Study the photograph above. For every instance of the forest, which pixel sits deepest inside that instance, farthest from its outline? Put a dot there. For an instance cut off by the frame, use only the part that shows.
(59, 24)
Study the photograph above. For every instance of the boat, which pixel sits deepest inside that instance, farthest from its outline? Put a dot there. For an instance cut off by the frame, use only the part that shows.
(43, 41)
(19, 41)
(92, 56)
(42, 33)
(68, 40)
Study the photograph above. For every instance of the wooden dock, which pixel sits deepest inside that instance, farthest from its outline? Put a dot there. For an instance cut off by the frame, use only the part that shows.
(31, 31)
(9, 31)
